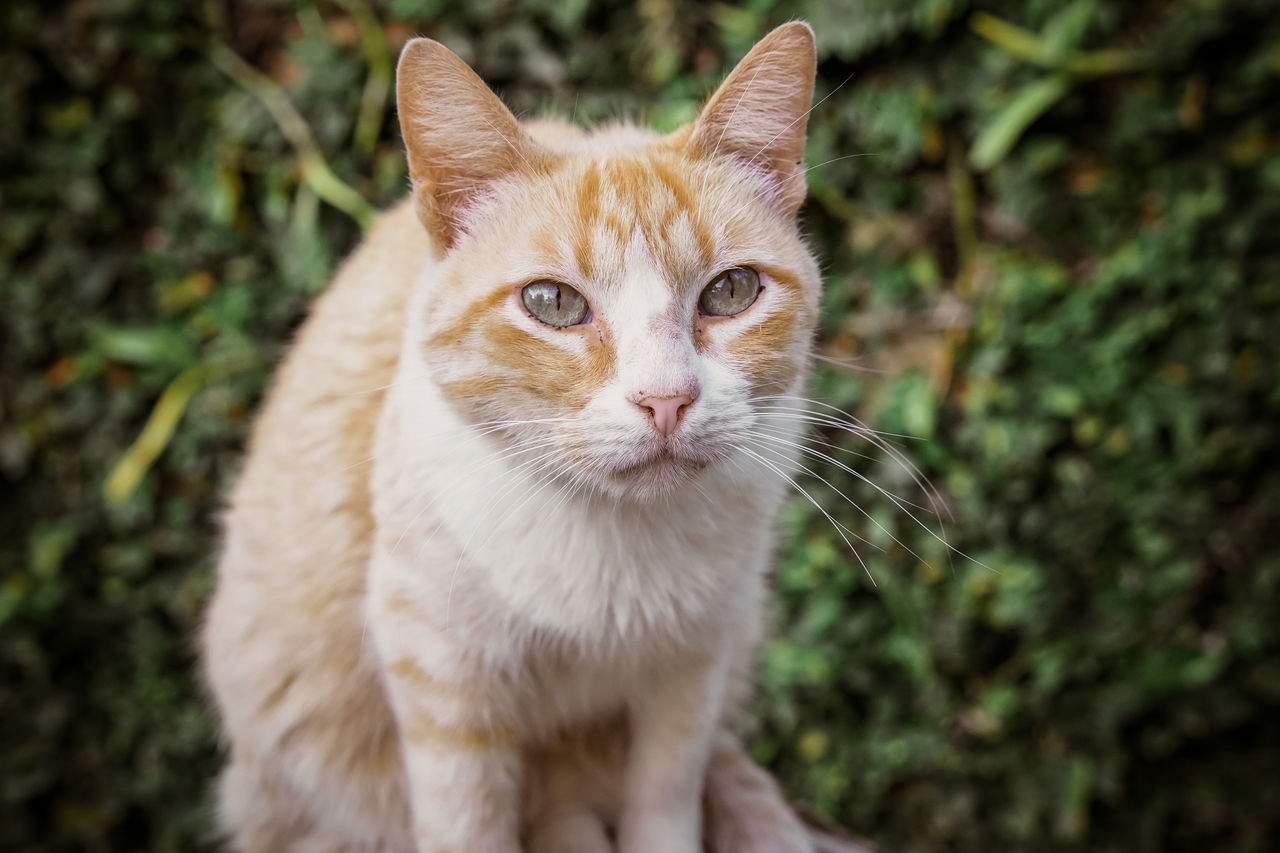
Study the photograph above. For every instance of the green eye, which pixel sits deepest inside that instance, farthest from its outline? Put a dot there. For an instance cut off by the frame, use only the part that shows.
(732, 292)
(554, 303)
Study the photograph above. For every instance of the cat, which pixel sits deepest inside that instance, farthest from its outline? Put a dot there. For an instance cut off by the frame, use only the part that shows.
(495, 569)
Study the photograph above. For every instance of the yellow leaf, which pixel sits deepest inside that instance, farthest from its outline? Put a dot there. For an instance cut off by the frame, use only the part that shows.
(154, 438)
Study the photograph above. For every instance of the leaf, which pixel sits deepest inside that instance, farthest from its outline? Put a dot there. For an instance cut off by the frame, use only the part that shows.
(1073, 810)
(315, 169)
(1031, 47)
(50, 543)
(154, 438)
(144, 346)
(1031, 102)
(1064, 30)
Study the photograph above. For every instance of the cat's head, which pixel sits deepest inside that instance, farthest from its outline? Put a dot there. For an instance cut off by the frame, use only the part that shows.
(624, 299)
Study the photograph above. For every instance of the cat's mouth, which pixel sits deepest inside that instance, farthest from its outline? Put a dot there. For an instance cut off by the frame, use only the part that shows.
(659, 470)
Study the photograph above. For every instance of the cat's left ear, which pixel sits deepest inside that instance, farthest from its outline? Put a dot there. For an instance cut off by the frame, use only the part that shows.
(759, 114)
(459, 137)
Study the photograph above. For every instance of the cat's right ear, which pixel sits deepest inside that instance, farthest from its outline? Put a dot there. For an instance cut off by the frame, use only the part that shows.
(459, 137)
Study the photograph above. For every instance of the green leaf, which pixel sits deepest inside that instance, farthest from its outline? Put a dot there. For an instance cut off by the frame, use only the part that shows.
(151, 346)
(1064, 31)
(1031, 102)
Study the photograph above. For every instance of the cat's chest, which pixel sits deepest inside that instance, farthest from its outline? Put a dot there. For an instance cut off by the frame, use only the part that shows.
(607, 575)
(565, 689)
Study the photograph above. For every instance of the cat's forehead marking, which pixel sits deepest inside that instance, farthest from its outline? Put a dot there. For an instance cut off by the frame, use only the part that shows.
(650, 193)
(587, 202)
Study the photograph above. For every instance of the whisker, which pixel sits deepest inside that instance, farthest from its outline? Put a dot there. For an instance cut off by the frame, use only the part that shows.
(848, 499)
(845, 527)
(845, 157)
(848, 417)
(514, 479)
(777, 470)
(472, 431)
(931, 509)
(808, 437)
(511, 453)
(447, 490)
(853, 422)
(895, 499)
(848, 365)
(875, 437)
(800, 117)
(857, 427)
(896, 502)
(817, 454)
(725, 128)
(364, 461)
(386, 387)
(701, 491)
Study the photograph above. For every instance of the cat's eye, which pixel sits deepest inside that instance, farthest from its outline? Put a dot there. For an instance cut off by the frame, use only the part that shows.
(554, 303)
(732, 292)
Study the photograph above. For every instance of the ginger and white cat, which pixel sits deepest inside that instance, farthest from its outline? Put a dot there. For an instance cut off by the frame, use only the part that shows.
(495, 569)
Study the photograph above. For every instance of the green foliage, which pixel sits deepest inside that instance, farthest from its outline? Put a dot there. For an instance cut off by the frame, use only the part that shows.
(1080, 324)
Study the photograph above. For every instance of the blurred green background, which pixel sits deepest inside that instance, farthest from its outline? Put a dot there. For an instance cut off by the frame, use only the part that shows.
(1058, 266)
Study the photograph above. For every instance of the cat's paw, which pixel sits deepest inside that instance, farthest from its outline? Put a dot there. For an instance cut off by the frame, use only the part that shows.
(744, 810)
(573, 832)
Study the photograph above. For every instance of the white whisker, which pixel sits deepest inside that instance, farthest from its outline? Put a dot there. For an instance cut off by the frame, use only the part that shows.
(848, 365)
(386, 387)
(762, 445)
(702, 191)
(800, 117)
(853, 422)
(857, 427)
(817, 454)
(783, 474)
(471, 430)
(845, 157)
(902, 505)
(897, 501)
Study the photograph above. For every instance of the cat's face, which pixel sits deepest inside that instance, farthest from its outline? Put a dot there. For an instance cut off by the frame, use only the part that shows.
(621, 302)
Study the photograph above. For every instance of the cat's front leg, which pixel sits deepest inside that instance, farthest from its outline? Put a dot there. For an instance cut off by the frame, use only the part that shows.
(462, 753)
(464, 782)
(672, 728)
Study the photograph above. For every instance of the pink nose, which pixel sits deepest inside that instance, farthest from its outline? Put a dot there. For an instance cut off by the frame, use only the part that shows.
(666, 411)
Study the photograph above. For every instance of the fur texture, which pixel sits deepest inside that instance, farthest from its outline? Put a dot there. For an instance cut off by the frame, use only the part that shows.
(471, 598)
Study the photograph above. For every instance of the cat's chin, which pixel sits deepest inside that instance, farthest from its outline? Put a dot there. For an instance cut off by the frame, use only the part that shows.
(656, 475)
